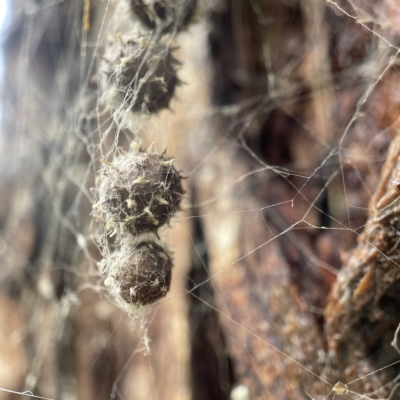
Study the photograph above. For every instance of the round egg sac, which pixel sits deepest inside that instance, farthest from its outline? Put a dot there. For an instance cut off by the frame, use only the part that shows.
(138, 76)
(164, 16)
(139, 192)
(139, 273)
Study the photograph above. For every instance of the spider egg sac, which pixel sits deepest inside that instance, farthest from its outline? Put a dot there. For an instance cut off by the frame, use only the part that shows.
(166, 16)
(139, 192)
(138, 76)
(140, 273)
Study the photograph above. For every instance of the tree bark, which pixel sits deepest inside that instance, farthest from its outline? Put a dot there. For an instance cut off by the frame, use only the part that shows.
(286, 275)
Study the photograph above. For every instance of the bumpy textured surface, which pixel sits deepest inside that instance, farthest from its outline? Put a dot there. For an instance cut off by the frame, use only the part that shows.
(139, 192)
(137, 75)
(140, 274)
(165, 15)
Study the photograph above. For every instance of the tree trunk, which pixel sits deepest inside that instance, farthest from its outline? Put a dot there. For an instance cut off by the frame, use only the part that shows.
(286, 249)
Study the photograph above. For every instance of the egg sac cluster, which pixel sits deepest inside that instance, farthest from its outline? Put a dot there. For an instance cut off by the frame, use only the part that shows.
(139, 192)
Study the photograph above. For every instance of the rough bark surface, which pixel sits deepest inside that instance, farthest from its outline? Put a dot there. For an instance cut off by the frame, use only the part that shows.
(286, 252)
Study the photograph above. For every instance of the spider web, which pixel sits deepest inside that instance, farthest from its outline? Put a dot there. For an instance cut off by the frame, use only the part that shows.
(264, 229)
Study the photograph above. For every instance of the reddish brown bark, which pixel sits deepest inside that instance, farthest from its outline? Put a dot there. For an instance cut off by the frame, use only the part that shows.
(283, 154)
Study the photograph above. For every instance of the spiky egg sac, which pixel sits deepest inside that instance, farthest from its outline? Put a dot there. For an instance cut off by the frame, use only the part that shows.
(138, 75)
(140, 274)
(139, 192)
(165, 16)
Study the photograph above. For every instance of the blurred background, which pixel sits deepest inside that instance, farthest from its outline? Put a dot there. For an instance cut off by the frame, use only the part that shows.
(286, 264)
